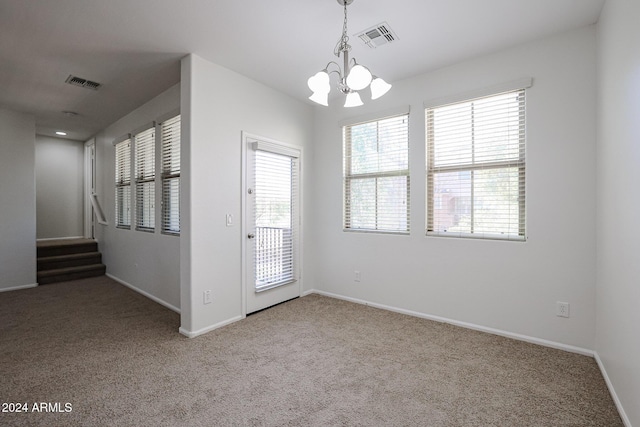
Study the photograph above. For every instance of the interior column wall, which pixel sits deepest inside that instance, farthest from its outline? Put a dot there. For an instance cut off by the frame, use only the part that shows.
(17, 200)
(218, 105)
(618, 230)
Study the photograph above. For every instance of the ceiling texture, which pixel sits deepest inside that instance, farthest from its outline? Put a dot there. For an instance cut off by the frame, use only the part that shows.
(133, 47)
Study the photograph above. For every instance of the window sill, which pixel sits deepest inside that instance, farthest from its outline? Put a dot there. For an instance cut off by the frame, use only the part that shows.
(472, 236)
(367, 231)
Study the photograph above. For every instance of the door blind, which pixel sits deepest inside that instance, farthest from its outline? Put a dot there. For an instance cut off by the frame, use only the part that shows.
(275, 205)
(170, 137)
(123, 183)
(376, 175)
(476, 167)
(145, 148)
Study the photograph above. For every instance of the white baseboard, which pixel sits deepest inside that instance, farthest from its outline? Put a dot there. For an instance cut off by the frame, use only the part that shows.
(146, 294)
(612, 391)
(193, 334)
(309, 292)
(507, 334)
(60, 238)
(17, 288)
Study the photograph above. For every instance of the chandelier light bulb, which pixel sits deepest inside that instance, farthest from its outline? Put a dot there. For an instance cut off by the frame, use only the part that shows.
(353, 100)
(359, 77)
(379, 87)
(321, 98)
(319, 83)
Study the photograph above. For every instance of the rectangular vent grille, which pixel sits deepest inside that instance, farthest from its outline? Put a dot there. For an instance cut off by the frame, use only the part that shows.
(378, 35)
(79, 81)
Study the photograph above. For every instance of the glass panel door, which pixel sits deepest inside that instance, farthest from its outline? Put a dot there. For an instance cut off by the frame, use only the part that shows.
(272, 216)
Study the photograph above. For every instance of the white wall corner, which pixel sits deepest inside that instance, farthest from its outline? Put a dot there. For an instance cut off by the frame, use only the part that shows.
(146, 294)
(192, 334)
(614, 395)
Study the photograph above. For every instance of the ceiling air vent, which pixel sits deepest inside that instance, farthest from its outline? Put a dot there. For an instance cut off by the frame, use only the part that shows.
(79, 81)
(378, 35)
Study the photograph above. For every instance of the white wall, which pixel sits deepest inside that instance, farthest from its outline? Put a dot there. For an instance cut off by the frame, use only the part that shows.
(17, 200)
(508, 286)
(618, 289)
(217, 105)
(59, 181)
(150, 262)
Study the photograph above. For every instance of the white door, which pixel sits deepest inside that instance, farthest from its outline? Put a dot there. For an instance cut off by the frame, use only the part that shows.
(89, 186)
(271, 223)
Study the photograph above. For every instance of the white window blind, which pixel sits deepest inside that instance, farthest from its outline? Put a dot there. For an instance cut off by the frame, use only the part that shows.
(170, 135)
(376, 175)
(476, 167)
(123, 184)
(145, 143)
(275, 203)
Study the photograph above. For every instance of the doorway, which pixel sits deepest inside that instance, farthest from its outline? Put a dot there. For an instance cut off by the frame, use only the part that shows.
(89, 186)
(271, 222)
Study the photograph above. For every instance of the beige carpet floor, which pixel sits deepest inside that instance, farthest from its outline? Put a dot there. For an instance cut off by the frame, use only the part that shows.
(118, 359)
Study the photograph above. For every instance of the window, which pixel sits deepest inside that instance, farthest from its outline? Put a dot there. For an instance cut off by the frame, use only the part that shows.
(145, 143)
(142, 144)
(476, 167)
(376, 175)
(123, 183)
(170, 131)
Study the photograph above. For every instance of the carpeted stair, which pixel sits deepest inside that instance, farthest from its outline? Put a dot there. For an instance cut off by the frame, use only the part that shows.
(70, 259)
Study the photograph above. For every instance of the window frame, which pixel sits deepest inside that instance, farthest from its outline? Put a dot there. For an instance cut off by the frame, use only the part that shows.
(349, 177)
(145, 181)
(167, 177)
(432, 170)
(122, 183)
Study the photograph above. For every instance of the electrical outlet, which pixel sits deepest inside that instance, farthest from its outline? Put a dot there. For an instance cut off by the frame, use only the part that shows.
(207, 297)
(229, 220)
(356, 276)
(562, 309)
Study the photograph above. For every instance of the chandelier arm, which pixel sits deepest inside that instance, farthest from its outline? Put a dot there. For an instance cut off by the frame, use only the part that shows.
(331, 62)
(337, 71)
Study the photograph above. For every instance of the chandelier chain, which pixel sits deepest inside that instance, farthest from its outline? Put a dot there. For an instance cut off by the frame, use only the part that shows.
(343, 43)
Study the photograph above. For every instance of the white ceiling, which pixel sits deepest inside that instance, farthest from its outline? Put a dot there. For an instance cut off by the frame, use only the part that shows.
(133, 47)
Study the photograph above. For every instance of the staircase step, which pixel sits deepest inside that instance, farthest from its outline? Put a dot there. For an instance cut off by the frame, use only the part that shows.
(65, 247)
(71, 260)
(70, 273)
(68, 259)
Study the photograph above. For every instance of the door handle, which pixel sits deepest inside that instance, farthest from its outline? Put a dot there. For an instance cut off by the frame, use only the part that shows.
(251, 236)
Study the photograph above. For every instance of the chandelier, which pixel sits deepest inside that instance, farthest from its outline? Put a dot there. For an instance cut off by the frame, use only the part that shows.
(352, 78)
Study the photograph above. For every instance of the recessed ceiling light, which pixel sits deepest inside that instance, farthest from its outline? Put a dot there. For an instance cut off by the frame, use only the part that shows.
(61, 133)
